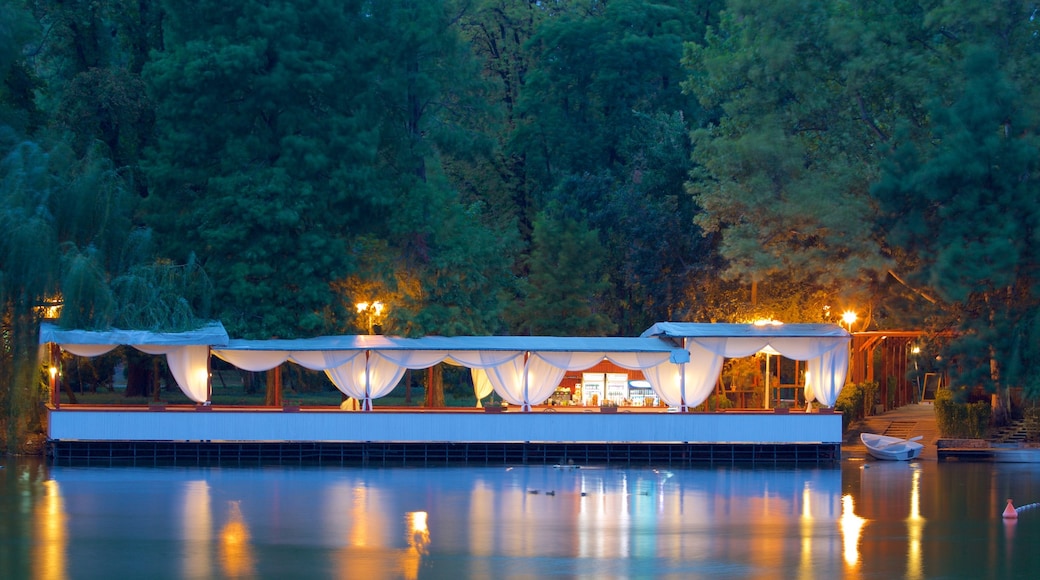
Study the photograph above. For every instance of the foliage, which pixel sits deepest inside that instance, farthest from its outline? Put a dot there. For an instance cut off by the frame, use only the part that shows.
(855, 401)
(965, 204)
(564, 291)
(961, 419)
(715, 402)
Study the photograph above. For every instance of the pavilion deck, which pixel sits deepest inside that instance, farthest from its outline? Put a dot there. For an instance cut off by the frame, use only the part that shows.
(187, 434)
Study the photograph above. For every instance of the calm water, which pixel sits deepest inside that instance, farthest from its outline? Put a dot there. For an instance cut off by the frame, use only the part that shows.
(859, 520)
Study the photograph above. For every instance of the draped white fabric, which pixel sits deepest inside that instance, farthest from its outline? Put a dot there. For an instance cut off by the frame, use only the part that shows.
(253, 360)
(542, 380)
(690, 383)
(88, 350)
(319, 360)
(366, 377)
(508, 380)
(481, 384)
(827, 375)
(828, 360)
(190, 368)
(189, 365)
(796, 348)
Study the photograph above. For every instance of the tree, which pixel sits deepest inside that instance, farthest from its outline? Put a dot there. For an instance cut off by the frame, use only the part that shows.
(965, 207)
(598, 67)
(262, 165)
(564, 293)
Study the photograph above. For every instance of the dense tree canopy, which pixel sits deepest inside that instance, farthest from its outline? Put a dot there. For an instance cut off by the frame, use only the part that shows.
(492, 166)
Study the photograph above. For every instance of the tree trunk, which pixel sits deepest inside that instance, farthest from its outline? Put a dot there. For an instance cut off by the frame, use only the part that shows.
(435, 387)
(138, 374)
(408, 387)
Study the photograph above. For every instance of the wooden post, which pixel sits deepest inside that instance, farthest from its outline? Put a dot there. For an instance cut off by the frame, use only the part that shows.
(55, 352)
(278, 386)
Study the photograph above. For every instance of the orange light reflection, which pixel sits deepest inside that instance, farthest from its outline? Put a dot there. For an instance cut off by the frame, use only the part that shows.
(49, 551)
(851, 527)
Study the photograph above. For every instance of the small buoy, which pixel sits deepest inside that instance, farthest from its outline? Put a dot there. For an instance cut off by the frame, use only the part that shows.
(1010, 512)
(583, 494)
(533, 491)
(550, 492)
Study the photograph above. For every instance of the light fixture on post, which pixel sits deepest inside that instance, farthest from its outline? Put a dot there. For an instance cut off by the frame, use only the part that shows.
(371, 311)
(768, 351)
(848, 318)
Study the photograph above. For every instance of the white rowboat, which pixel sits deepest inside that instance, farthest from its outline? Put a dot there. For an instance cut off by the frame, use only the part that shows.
(891, 448)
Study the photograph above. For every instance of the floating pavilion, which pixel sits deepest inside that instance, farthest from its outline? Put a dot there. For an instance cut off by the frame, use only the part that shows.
(681, 361)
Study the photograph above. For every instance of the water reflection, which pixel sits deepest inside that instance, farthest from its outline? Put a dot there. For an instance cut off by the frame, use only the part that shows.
(851, 527)
(50, 548)
(898, 520)
(197, 537)
(236, 555)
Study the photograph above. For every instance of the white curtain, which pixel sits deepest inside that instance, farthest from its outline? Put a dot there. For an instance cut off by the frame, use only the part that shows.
(827, 375)
(828, 359)
(508, 379)
(319, 360)
(253, 360)
(481, 384)
(88, 350)
(689, 383)
(189, 366)
(366, 377)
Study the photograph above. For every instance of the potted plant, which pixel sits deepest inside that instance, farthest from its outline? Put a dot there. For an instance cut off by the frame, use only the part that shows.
(290, 406)
(494, 406)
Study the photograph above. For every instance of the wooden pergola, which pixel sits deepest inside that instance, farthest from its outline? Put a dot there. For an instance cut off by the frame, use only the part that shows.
(890, 370)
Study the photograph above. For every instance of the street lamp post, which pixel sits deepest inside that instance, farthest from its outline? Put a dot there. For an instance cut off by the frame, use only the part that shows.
(849, 317)
(371, 311)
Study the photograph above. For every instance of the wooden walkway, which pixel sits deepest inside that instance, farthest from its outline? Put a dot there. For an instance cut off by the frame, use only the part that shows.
(904, 422)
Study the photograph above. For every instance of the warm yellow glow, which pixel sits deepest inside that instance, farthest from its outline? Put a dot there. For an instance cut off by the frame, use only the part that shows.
(915, 528)
(235, 551)
(849, 317)
(54, 372)
(49, 549)
(197, 531)
(376, 307)
(805, 526)
(767, 322)
(916, 350)
(851, 527)
(50, 309)
(419, 532)
(202, 376)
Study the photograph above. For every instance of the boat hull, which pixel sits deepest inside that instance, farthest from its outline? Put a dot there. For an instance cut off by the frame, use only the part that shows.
(891, 448)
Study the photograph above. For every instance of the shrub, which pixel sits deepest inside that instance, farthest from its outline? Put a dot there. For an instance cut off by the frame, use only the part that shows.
(853, 401)
(968, 420)
(715, 402)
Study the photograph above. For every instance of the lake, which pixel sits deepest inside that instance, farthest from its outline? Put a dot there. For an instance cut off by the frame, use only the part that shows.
(861, 519)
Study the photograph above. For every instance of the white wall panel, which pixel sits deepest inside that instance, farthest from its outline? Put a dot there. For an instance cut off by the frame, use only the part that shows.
(131, 425)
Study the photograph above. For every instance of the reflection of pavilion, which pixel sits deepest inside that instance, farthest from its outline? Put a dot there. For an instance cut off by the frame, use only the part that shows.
(680, 361)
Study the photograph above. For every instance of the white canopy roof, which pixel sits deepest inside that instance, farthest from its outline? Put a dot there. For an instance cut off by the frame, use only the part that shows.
(212, 334)
(466, 343)
(723, 330)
